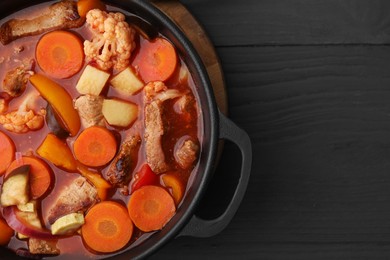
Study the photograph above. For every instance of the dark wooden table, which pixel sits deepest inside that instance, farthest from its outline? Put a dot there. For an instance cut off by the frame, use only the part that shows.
(309, 80)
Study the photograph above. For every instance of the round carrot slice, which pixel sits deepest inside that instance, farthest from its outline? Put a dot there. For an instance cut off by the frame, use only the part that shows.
(60, 54)
(151, 207)
(157, 60)
(107, 227)
(7, 151)
(40, 175)
(95, 146)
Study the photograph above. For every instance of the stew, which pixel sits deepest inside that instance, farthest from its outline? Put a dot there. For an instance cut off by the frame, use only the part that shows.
(100, 130)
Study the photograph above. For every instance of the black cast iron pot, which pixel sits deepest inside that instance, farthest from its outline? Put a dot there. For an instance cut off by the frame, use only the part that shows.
(216, 127)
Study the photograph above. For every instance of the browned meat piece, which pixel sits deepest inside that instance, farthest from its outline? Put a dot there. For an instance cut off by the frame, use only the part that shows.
(184, 104)
(79, 196)
(43, 247)
(154, 130)
(156, 93)
(120, 169)
(61, 15)
(186, 154)
(90, 110)
(15, 81)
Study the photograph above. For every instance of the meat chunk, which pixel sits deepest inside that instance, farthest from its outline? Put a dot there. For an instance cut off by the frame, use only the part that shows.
(120, 169)
(154, 130)
(186, 154)
(90, 110)
(154, 127)
(156, 93)
(15, 81)
(184, 104)
(61, 15)
(79, 196)
(43, 247)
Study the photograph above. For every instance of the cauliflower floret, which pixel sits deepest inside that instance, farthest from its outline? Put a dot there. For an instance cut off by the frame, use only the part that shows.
(3, 105)
(23, 119)
(113, 40)
(5, 98)
(158, 90)
(152, 88)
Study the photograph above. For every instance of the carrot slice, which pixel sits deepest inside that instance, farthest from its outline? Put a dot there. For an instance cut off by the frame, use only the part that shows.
(95, 146)
(84, 6)
(157, 60)
(6, 233)
(107, 227)
(40, 175)
(7, 151)
(60, 54)
(151, 207)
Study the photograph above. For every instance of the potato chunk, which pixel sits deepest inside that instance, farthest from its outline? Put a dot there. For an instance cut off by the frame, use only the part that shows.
(28, 207)
(127, 82)
(119, 113)
(28, 216)
(21, 236)
(16, 187)
(67, 224)
(92, 81)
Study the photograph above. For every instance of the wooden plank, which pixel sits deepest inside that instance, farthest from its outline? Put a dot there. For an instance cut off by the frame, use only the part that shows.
(319, 119)
(270, 22)
(292, 86)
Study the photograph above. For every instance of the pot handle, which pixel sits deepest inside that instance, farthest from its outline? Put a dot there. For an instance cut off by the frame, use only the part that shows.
(198, 227)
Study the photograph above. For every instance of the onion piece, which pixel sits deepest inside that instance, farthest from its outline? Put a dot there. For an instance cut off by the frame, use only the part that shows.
(15, 220)
(19, 158)
(168, 94)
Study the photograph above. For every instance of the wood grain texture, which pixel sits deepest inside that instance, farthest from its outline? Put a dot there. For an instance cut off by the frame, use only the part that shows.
(286, 22)
(319, 119)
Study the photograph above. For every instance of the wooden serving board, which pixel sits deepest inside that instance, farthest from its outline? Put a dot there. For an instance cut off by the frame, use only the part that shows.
(179, 14)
